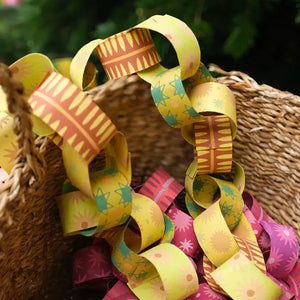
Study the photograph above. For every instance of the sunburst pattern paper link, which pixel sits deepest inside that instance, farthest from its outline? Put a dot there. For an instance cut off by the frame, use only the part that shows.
(242, 280)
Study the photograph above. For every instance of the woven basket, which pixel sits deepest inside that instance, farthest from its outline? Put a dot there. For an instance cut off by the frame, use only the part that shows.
(36, 258)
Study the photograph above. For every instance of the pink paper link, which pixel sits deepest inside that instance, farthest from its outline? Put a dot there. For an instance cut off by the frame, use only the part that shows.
(257, 228)
(284, 249)
(162, 188)
(184, 237)
(293, 280)
(255, 208)
(206, 293)
(92, 262)
(120, 291)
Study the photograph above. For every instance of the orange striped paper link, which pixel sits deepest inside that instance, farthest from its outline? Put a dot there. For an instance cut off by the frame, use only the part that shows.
(127, 52)
(73, 115)
(213, 144)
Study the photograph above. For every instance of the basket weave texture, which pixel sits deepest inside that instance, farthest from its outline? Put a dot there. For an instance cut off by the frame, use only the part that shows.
(36, 258)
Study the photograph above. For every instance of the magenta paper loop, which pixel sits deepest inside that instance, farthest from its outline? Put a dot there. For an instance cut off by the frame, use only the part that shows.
(184, 237)
(92, 262)
(161, 188)
(120, 291)
(284, 249)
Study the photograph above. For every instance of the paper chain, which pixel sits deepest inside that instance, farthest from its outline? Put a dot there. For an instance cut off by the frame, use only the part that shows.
(154, 244)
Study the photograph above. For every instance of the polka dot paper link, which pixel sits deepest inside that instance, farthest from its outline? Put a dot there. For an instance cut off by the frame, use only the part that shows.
(176, 281)
(242, 280)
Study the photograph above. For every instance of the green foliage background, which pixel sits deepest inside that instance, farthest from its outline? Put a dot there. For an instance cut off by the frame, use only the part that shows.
(259, 37)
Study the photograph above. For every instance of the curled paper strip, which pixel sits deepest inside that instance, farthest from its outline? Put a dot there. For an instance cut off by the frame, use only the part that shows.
(127, 52)
(62, 65)
(92, 262)
(120, 291)
(177, 281)
(161, 188)
(171, 99)
(284, 249)
(73, 115)
(213, 141)
(188, 53)
(242, 280)
(205, 292)
(8, 142)
(184, 237)
(294, 280)
(223, 103)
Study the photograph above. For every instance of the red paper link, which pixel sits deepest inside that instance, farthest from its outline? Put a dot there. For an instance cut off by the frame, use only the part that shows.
(293, 280)
(162, 188)
(92, 262)
(127, 52)
(120, 291)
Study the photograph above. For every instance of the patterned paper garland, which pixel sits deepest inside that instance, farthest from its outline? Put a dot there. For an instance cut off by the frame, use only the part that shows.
(148, 247)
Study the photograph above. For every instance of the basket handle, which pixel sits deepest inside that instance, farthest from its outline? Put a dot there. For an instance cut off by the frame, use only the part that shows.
(28, 170)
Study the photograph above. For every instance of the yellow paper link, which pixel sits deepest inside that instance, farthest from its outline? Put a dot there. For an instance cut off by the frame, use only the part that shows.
(239, 177)
(214, 235)
(201, 76)
(171, 99)
(8, 141)
(246, 240)
(32, 70)
(117, 155)
(80, 61)
(149, 219)
(77, 212)
(169, 230)
(213, 144)
(201, 189)
(110, 206)
(182, 39)
(239, 277)
(176, 277)
(62, 65)
(77, 168)
(213, 97)
(127, 261)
